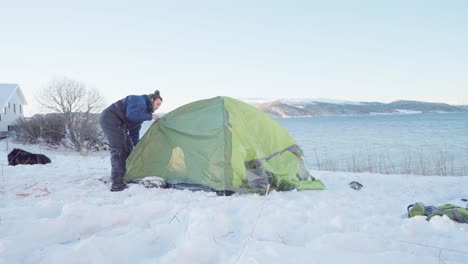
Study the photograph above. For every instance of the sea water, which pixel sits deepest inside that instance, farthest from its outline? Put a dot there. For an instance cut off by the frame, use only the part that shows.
(426, 144)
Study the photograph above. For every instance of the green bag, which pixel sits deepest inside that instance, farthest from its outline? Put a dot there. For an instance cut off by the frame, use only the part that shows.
(456, 213)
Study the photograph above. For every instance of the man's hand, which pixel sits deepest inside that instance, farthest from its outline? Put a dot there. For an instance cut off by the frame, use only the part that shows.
(155, 117)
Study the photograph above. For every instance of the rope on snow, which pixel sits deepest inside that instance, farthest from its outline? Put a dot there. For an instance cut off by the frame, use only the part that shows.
(254, 226)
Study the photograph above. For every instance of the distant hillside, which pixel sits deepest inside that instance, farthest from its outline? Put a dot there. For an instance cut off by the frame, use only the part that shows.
(464, 107)
(326, 107)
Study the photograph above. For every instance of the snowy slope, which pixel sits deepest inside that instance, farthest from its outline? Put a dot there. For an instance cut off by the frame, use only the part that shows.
(71, 217)
(299, 101)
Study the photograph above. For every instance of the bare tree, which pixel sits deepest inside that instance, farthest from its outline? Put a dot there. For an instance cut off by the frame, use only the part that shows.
(79, 105)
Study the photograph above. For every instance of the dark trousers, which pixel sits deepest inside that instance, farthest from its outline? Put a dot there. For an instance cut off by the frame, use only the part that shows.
(119, 141)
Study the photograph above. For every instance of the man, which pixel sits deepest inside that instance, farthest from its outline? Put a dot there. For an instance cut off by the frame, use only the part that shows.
(121, 123)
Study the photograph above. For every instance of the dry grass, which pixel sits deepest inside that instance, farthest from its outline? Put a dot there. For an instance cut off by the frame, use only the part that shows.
(439, 163)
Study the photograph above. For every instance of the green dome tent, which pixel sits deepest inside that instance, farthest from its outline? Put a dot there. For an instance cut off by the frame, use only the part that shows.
(221, 144)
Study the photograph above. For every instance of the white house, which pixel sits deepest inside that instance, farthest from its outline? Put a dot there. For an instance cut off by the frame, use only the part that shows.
(12, 102)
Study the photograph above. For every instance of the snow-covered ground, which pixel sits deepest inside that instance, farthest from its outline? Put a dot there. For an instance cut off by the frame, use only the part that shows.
(62, 213)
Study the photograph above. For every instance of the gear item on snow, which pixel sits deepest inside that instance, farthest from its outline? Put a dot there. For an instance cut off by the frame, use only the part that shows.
(355, 185)
(23, 157)
(153, 182)
(456, 213)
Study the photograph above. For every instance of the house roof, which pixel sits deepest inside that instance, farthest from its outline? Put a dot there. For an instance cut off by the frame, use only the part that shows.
(7, 90)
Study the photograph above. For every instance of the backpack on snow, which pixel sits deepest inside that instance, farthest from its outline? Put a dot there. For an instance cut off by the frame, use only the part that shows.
(456, 213)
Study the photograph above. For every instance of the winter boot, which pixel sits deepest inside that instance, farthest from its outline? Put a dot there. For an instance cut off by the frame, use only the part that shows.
(118, 184)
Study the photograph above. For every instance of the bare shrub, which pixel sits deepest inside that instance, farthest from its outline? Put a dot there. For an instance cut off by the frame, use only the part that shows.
(48, 128)
(53, 130)
(28, 130)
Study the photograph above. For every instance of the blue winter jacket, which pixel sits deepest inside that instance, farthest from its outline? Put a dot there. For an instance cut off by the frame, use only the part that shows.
(139, 109)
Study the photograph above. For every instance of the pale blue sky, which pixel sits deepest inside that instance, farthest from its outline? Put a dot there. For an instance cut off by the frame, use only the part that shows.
(348, 50)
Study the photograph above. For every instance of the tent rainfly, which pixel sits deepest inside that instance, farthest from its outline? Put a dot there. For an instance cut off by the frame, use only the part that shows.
(221, 144)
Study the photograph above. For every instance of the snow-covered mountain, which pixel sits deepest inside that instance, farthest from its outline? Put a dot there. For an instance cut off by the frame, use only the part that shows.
(328, 107)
